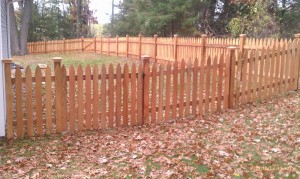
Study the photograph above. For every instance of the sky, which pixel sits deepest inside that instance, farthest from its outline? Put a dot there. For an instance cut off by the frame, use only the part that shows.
(103, 9)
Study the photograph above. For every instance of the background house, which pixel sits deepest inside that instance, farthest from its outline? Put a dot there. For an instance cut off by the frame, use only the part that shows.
(4, 53)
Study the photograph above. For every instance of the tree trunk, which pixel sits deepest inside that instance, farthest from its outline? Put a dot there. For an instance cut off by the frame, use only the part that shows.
(14, 39)
(25, 26)
(78, 24)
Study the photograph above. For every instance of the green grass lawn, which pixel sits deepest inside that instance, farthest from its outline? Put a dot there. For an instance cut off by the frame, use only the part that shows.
(70, 59)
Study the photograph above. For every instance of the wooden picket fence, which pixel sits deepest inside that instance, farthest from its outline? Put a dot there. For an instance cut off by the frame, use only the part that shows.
(158, 48)
(104, 97)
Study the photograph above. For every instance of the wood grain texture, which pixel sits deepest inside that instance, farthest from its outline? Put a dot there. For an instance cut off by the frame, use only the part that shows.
(29, 98)
(80, 97)
(19, 103)
(111, 104)
(39, 102)
(133, 91)
(88, 98)
(154, 93)
(72, 113)
(118, 96)
(168, 91)
(125, 96)
(103, 104)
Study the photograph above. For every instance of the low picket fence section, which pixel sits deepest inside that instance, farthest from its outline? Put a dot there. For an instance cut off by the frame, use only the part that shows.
(57, 100)
(158, 48)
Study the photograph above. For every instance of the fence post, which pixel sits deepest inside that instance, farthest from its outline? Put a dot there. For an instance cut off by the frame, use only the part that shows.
(231, 76)
(82, 42)
(203, 48)
(58, 93)
(8, 96)
(155, 48)
(127, 45)
(95, 44)
(175, 46)
(146, 81)
(117, 44)
(140, 46)
(297, 37)
(45, 46)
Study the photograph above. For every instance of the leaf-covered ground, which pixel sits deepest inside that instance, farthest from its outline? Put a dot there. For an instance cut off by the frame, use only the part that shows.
(255, 141)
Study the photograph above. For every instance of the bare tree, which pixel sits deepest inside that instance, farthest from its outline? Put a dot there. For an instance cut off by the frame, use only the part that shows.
(14, 37)
(25, 25)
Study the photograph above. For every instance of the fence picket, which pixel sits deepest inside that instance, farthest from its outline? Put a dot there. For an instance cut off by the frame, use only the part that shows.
(133, 96)
(168, 91)
(118, 95)
(64, 99)
(266, 73)
(154, 93)
(220, 83)
(287, 66)
(182, 87)
(39, 102)
(29, 106)
(271, 77)
(282, 67)
(125, 95)
(261, 75)
(250, 76)
(174, 91)
(213, 83)
(48, 93)
(111, 105)
(195, 85)
(244, 79)
(80, 97)
(160, 94)
(19, 103)
(72, 113)
(95, 99)
(103, 104)
(277, 70)
(140, 95)
(188, 88)
(88, 103)
(201, 85)
(207, 84)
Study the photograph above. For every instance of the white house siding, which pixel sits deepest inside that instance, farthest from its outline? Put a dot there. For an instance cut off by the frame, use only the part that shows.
(4, 53)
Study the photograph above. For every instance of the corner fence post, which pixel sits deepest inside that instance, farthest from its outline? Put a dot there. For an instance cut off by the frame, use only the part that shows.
(8, 96)
(297, 37)
(146, 81)
(231, 76)
(58, 93)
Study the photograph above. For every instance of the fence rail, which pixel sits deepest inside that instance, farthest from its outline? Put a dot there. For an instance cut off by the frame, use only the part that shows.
(148, 93)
